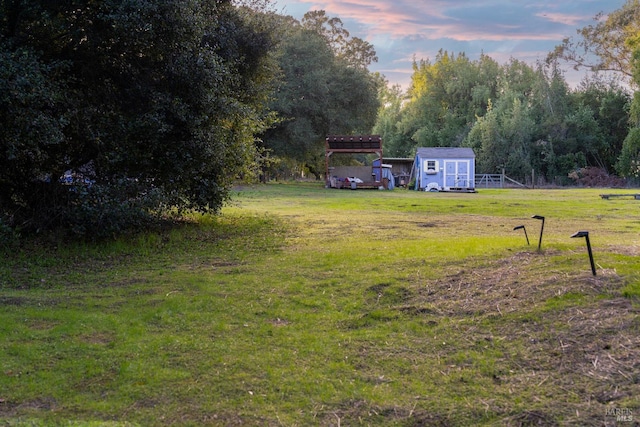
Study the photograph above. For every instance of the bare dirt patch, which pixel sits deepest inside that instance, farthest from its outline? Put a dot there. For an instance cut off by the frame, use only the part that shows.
(8, 408)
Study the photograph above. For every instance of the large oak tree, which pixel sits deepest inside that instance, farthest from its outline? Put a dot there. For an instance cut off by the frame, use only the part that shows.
(142, 97)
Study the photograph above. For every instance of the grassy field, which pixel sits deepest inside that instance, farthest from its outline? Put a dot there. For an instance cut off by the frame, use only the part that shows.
(301, 305)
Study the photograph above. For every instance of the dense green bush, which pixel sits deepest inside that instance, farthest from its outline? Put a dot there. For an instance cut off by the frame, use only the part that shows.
(8, 236)
(629, 162)
(165, 94)
(103, 211)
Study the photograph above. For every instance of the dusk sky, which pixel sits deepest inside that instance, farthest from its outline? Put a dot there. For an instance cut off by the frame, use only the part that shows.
(401, 30)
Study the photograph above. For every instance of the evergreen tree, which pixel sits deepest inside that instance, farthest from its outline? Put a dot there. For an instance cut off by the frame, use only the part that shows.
(154, 102)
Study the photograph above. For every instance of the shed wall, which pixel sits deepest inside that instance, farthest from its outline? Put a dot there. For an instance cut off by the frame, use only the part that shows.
(445, 173)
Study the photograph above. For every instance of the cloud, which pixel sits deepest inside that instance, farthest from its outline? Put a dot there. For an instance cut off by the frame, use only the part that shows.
(571, 20)
(402, 30)
(456, 20)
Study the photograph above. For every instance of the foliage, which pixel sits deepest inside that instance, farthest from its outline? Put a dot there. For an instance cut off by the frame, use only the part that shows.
(8, 235)
(355, 51)
(303, 97)
(169, 94)
(603, 46)
(516, 117)
(445, 98)
(629, 163)
(595, 177)
(101, 211)
(389, 115)
(608, 105)
(324, 88)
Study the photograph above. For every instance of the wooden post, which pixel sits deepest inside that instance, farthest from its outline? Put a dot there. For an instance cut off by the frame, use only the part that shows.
(533, 178)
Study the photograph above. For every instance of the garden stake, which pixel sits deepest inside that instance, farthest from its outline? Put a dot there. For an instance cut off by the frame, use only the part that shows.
(541, 229)
(525, 231)
(585, 234)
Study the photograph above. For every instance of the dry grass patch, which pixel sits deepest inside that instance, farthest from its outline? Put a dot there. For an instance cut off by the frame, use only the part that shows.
(519, 282)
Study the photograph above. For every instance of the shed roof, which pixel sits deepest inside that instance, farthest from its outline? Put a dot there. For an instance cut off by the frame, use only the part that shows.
(445, 152)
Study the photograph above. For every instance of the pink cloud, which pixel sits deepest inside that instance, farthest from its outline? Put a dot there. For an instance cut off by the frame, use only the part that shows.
(564, 18)
(439, 20)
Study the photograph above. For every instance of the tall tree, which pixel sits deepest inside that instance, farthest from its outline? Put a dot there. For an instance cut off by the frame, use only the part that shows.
(602, 46)
(628, 164)
(608, 107)
(354, 50)
(303, 97)
(319, 92)
(391, 100)
(445, 97)
(163, 96)
(502, 138)
(505, 137)
(611, 45)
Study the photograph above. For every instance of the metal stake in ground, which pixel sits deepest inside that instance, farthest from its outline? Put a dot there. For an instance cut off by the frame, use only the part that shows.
(525, 231)
(541, 229)
(585, 234)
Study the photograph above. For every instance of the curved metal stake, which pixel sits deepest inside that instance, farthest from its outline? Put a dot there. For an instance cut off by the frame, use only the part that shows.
(541, 229)
(585, 234)
(525, 231)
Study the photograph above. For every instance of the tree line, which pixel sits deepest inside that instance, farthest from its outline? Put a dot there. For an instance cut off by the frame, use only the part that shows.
(516, 117)
(117, 114)
(522, 118)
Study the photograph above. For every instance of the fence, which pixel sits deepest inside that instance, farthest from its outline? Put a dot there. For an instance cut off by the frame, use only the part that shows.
(496, 180)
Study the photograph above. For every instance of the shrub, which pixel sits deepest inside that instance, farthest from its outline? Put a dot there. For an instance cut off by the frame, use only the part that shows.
(8, 235)
(101, 211)
(596, 177)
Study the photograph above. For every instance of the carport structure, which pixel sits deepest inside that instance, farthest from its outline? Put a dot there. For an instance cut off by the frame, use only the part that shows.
(354, 144)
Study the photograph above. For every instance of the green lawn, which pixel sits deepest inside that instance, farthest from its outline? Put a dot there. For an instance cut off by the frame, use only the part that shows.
(301, 305)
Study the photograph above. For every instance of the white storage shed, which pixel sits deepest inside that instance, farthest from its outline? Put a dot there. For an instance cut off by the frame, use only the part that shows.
(445, 169)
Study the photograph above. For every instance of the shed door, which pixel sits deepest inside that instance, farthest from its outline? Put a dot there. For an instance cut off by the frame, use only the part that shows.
(456, 174)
